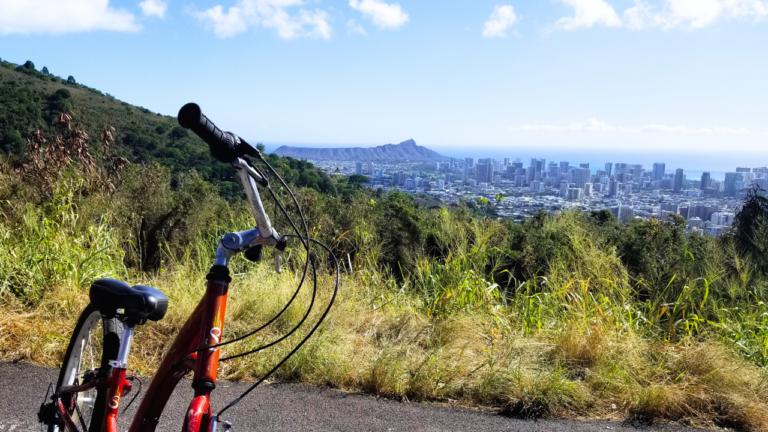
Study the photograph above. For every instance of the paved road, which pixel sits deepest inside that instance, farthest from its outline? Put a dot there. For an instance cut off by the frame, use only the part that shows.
(286, 407)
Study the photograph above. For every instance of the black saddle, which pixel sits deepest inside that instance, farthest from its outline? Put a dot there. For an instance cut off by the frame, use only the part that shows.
(137, 303)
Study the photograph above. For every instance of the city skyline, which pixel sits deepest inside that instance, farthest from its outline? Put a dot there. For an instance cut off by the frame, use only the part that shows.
(517, 190)
(687, 161)
(602, 75)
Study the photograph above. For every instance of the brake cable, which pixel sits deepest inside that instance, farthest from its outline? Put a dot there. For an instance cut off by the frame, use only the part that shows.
(314, 272)
(311, 332)
(304, 273)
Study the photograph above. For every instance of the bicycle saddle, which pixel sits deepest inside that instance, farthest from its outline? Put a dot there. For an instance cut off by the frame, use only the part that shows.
(138, 303)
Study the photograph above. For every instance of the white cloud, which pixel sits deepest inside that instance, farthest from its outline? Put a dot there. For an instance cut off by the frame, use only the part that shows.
(693, 14)
(153, 8)
(595, 125)
(587, 14)
(268, 14)
(382, 14)
(501, 19)
(57, 17)
(701, 13)
(354, 28)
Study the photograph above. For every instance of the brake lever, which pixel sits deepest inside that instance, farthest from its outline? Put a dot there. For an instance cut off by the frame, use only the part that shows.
(280, 247)
(277, 261)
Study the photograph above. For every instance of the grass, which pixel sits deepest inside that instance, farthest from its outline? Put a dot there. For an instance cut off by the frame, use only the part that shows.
(576, 342)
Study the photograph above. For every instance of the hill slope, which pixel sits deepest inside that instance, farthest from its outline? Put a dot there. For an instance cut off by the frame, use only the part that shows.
(405, 151)
(31, 100)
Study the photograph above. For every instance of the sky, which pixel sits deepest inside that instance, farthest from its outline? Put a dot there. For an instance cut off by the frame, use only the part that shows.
(638, 81)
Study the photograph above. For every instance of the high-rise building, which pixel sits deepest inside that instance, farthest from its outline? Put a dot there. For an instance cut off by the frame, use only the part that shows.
(538, 164)
(506, 162)
(553, 170)
(483, 172)
(722, 219)
(574, 194)
(584, 165)
(734, 182)
(588, 189)
(704, 181)
(359, 168)
(678, 184)
(530, 174)
(609, 169)
(703, 212)
(743, 169)
(581, 176)
(613, 188)
(563, 188)
(659, 168)
(469, 162)
(668, 208)
(620, 168)
(563, 167)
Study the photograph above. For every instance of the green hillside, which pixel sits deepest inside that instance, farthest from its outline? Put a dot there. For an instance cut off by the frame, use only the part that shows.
(31, 100)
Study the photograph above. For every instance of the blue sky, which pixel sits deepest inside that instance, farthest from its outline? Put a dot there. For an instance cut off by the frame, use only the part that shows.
(678, 79)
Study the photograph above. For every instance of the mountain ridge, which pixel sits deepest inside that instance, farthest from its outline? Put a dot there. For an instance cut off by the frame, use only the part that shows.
(405, 151)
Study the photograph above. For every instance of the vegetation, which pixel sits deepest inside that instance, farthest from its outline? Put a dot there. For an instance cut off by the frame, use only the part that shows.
(32, 100)
(571, 314)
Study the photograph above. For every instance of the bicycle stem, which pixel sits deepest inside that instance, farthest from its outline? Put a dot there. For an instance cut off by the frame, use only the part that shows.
(265, 235)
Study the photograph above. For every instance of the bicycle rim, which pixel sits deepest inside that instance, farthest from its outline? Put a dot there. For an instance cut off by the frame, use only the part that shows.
(90, 349)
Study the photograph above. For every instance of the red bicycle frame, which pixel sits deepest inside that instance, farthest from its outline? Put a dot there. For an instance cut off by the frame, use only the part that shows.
(203, 329)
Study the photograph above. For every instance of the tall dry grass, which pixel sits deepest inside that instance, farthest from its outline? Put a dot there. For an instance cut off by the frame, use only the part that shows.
(574, 342)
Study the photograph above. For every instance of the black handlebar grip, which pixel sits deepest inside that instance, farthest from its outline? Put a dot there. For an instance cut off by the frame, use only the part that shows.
(223, 145)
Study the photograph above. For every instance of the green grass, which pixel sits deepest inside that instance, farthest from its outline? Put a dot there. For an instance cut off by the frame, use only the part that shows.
(575, 341)
(566, 315)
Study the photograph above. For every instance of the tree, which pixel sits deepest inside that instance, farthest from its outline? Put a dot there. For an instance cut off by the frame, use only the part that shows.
(29, 65)
(71, 80)
(178, 133)
(261, 147)
(45, 70)
(357, 178)
(750, 227)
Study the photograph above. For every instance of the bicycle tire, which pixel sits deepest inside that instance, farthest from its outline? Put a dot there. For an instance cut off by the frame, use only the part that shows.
(81, 347)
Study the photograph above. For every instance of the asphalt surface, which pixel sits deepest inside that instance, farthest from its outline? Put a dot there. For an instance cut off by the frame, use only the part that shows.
(288, 407)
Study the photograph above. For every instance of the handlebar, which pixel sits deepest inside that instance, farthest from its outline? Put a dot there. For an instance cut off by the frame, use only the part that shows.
(225, 146)
(229, 148)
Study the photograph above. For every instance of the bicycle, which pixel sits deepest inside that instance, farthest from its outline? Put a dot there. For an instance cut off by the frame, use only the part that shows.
(93, 379)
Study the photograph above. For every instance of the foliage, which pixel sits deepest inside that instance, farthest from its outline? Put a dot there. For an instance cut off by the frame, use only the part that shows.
(750, 232)
(32, 101)
(563, 314)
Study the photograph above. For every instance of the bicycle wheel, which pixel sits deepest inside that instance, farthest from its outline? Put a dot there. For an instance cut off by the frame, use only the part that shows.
(95, 341)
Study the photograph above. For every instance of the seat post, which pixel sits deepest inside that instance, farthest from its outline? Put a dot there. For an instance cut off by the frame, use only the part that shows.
(125, 347)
